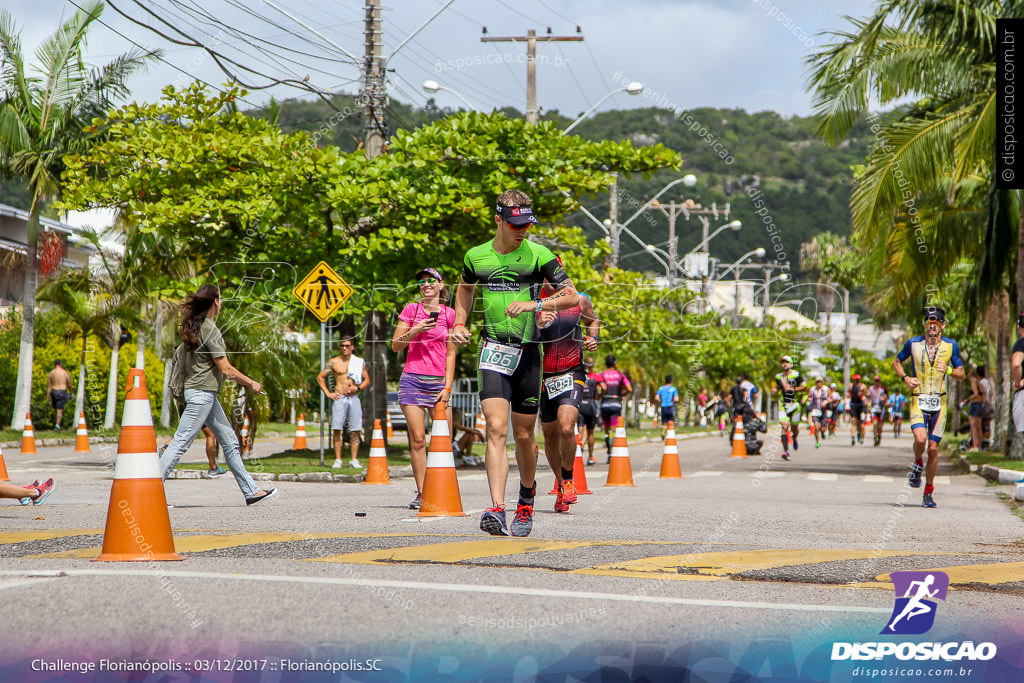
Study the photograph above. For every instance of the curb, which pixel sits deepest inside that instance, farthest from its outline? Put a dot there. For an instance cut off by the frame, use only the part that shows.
(318, 477)
(996, 474)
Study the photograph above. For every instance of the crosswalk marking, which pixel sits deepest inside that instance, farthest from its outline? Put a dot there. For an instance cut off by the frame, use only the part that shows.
(823, 476)
(877, 479)
(706, 473)
(719, 565)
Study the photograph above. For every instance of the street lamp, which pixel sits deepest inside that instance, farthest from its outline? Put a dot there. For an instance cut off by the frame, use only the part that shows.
(654, 251)
(434, 86)
(633, 88)
(734, 225)
(759, 252)
(783, 277)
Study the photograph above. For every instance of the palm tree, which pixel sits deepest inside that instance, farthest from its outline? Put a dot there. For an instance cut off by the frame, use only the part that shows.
(44, 114)
(814, 257)
(91, 308)
(941, 53)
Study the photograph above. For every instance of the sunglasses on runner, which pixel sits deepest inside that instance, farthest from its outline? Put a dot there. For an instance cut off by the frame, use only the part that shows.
(517, 228)
(427, 281)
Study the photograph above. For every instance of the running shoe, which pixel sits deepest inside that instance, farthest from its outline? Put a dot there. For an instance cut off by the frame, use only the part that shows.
(215, 474)
(266, 494)
(914, 476)
(796, 446)
(415, 504)
(337, 465)
(927, 501)
(493, 521)
(560, 505)
(817, 444)
(44, 490)
(522, 523)
(591, 460)
(355, 465)
(567, 491)
(785, 455)
(853, 441)
(26, 500)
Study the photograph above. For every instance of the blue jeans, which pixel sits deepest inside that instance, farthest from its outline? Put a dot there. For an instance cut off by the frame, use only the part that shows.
(203, 408)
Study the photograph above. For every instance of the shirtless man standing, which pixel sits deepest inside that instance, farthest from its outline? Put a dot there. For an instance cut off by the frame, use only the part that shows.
(58, 383)
(350, 377)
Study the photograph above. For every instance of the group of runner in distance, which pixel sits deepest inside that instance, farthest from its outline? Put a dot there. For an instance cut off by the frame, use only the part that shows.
(534, 332)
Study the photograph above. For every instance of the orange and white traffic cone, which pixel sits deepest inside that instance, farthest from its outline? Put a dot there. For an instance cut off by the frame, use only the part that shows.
(739, 440)
(619, 471)
(3, 466)
(391, 429)
(670, 455)
(377, 469)
(82, 437)
(138, 527)
(481, 425)
(300, 434)
(579, 468)
(28, 437)
(441, 496)
(246, 443)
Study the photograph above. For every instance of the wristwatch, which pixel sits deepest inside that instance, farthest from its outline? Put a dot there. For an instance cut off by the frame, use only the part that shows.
(540, 305)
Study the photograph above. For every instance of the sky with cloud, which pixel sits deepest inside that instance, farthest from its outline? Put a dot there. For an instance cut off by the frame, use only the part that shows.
(745, 54)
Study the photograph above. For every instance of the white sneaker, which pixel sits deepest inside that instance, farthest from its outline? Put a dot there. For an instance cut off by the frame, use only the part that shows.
(471, 461)
(355, 464)
(337, 465)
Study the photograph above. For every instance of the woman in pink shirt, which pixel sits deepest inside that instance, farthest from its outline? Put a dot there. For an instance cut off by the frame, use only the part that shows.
(423, 328)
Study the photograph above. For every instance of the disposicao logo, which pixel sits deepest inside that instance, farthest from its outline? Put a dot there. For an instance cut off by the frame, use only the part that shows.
(914, 614)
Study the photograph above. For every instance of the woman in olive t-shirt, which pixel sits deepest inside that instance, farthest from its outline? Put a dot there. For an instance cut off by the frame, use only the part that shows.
(208, 369)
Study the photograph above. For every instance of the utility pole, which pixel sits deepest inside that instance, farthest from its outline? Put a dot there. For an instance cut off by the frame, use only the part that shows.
(374, 94)
(374, 98)
(531, 38)
(613, 217)
(672, 211)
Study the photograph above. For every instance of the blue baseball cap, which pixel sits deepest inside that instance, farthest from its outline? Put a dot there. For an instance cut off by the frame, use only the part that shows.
(432, 272)
(516, 215)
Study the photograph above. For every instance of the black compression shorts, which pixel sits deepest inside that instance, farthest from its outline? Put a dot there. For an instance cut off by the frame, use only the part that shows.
(521, 389)
(588, 415)
(571, 397)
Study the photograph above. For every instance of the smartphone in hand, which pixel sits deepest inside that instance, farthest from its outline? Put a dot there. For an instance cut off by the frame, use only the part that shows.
(434, 315)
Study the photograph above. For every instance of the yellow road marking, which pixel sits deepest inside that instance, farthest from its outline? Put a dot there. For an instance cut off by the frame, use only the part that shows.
(202, 543)
(448, 553)
(42, 535)
(994, 573)
(710, 566)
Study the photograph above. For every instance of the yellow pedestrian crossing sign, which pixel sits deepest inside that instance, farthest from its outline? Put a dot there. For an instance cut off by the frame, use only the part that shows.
(322, 291)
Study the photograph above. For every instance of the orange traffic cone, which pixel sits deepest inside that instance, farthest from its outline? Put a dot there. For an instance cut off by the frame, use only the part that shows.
(670, 456)
(82, 438)
(300, 434)
(579, 468)
(391, 429)
(619, 471)
(3, 466)
(246, 444)
(377, 470)
(481, 425)
(440, 485)
(739, 440)
(138, 527)
(28, 437)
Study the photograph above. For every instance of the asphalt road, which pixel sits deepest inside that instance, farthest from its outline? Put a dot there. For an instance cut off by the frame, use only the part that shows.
(746, 564)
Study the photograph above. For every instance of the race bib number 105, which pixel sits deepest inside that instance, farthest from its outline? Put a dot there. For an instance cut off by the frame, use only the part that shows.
(500, 357)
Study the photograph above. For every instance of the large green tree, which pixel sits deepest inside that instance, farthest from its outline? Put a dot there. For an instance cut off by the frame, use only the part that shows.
(43, 112)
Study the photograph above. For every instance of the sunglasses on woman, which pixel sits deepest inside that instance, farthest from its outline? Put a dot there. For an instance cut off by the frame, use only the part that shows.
(427, 281)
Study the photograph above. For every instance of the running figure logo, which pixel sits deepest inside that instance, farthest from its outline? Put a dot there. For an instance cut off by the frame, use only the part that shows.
(913, 612)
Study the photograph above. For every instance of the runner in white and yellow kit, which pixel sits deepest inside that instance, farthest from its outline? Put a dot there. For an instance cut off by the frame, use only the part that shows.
(934, 358)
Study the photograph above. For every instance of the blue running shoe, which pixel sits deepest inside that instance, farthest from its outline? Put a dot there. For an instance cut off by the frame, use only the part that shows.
(493, 521)
(927, 502)
(914, 476)
(215, 474)
(522, 523)
(44, 489)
